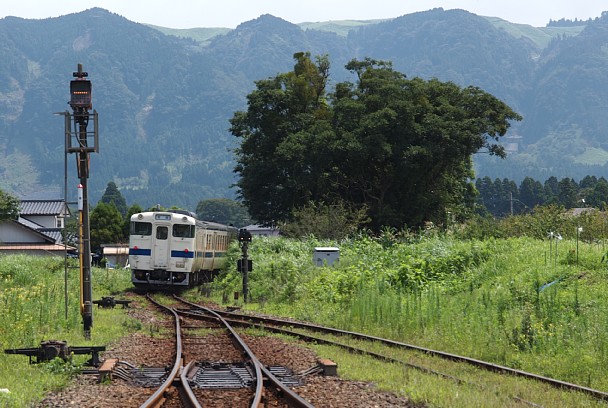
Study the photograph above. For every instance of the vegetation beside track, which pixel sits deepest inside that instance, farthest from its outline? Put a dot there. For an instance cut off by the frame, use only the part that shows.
(534, 304)
(517, 299)
(33, 309)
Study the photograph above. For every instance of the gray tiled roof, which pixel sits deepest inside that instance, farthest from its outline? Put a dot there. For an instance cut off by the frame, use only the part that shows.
(53, 233)
(41, 207)
(31, 224)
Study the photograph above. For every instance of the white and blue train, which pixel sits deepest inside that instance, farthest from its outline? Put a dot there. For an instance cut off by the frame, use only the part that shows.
(174, 249)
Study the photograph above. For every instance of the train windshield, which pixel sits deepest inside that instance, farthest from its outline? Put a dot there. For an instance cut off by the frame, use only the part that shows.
(162, 232)
(141, 228)
(183, 231)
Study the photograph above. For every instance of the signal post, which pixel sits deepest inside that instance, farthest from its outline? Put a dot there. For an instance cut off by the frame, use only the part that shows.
(244, 265)
(81, 141)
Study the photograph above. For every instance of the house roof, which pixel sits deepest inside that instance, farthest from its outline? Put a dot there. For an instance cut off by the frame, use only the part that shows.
(42, 207)
(29, 223)
(47, 239)
(53, 233)
(578, 211)
(36, 246)
(116, 251)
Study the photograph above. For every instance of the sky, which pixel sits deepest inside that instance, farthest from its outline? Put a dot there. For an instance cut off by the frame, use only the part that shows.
(230, 13)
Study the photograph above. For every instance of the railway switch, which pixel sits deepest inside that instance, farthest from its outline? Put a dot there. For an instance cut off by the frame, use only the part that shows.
(51, 349)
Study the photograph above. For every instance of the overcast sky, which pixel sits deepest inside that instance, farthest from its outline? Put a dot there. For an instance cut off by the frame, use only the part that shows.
(230, 13)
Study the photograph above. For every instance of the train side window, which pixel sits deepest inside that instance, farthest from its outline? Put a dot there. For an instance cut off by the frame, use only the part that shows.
(162, 232)
(141, 228)
(183, 231)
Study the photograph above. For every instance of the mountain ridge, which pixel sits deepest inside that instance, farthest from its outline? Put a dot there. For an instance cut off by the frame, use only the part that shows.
(165, 100)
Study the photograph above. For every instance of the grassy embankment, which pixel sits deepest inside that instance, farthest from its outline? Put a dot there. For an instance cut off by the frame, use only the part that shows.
(514, 302)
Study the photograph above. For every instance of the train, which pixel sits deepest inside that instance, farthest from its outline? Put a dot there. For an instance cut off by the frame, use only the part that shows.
(175, 249)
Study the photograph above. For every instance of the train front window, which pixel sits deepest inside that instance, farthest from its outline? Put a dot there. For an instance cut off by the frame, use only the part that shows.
(162, 232)
(183, 231)
(141, 228)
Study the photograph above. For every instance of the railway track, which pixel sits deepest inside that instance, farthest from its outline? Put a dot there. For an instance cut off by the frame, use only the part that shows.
(289, 327)
(260, 377)
(147, 363)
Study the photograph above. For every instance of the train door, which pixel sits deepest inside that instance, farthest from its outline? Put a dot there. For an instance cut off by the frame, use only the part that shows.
(161, 247)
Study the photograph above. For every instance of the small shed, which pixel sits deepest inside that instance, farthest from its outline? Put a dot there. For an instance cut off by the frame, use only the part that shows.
(326, 256)
(116, 255)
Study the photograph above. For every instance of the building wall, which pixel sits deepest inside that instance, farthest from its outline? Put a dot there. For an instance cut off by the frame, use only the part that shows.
(10, 232)
(47, 221)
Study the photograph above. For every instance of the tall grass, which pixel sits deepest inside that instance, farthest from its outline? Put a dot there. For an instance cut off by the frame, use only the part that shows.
(33, 308)
(510, 301)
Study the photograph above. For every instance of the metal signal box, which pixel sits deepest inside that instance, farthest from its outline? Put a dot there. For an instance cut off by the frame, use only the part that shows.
(326, 256)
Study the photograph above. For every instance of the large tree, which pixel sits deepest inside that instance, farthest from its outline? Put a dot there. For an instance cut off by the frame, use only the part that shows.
(400, 148)
(408, 143)
(9, 207)
(285, 115)
(106, 226)
(113, 196)
(224, 211)
(531, 193)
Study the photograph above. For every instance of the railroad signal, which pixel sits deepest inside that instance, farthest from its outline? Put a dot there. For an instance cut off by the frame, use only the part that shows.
(77, 141)
(244, 265)
(81, 93)
(244, 235)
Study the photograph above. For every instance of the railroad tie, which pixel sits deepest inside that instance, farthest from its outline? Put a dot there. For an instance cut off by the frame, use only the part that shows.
(105, 371)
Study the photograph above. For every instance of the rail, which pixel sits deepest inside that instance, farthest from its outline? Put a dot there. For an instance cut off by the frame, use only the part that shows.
(265, 321)
(287, 393)
(157, 399)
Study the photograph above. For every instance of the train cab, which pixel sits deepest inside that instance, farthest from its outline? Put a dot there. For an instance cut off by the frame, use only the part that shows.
(162, 248)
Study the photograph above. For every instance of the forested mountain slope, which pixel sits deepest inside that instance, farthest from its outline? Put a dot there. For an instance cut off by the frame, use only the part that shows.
(164, 101)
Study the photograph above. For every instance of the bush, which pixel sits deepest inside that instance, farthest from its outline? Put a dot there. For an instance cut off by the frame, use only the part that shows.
(325, 221)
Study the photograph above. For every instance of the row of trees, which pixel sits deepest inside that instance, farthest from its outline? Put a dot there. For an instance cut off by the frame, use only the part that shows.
(504, 197)
(110, 217)
(398, 149)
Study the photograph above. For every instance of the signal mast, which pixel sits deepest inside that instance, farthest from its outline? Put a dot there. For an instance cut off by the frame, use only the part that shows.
(83, 142)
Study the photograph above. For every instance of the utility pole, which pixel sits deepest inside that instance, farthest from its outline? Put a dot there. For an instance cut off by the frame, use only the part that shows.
(82, 142)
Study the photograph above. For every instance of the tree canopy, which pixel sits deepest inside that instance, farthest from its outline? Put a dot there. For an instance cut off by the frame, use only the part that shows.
(106, 226)
(224, 211)
(9, 207)
(401, 148)
(113, 196)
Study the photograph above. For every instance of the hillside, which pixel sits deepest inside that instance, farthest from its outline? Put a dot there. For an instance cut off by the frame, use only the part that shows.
(165, 96)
